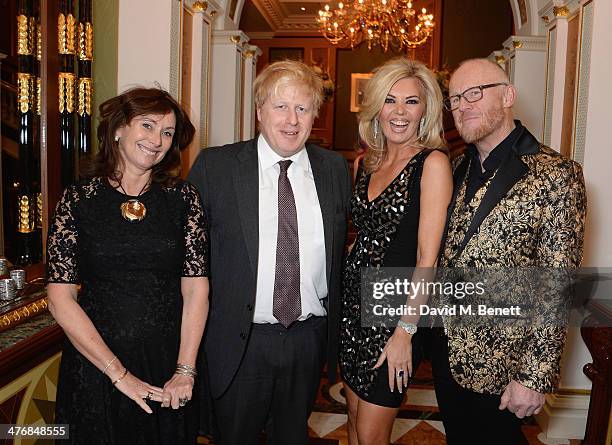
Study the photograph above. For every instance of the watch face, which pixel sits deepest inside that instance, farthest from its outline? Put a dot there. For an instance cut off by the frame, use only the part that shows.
(408, 327)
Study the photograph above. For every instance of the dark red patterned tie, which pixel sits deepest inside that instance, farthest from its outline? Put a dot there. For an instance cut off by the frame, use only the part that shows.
(287, 306)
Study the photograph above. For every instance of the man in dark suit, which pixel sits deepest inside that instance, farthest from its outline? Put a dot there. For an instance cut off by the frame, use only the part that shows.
(277, 215)
(517, 204)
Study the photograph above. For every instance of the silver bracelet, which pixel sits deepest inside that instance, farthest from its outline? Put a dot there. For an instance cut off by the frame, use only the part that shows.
(410, 328)
(187, 370)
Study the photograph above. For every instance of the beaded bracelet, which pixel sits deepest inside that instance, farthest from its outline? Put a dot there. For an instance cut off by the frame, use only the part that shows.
(108, 364)
(120, 378)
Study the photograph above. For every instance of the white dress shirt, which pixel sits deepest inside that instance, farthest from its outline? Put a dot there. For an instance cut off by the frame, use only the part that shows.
(313, 282)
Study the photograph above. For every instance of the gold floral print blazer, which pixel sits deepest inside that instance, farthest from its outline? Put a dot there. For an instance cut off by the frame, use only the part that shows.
(530, 214)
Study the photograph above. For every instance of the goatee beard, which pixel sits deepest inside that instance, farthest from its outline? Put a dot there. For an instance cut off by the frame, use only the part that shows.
(491, 122)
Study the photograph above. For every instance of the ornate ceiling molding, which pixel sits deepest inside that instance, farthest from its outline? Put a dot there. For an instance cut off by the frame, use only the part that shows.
(280, 20)
(271, 12)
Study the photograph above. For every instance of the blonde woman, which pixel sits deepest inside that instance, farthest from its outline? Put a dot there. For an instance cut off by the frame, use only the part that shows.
(402, 190)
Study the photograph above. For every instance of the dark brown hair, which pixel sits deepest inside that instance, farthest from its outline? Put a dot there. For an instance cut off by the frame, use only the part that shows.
(119, 111)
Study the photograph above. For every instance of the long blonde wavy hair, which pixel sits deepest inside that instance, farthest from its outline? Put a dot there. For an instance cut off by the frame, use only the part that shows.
(385, 76)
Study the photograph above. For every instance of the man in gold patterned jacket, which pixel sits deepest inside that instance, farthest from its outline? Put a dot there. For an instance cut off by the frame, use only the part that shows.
(516, 204)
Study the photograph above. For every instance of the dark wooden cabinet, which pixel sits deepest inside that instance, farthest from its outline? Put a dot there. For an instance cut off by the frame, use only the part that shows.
(597, 334)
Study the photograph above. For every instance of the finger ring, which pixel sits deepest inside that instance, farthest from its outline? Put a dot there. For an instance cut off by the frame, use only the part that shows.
(400, 373)
(183, 402)
(149, 395)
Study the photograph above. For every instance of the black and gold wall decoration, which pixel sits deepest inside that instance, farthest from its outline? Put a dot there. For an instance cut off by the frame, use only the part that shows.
(84, 83)
(29, 219)
(66, 42)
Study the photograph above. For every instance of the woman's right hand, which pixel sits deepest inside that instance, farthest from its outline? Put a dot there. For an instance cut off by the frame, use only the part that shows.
(138, 391)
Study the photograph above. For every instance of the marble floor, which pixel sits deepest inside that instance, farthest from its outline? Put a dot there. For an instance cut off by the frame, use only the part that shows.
(418, 422)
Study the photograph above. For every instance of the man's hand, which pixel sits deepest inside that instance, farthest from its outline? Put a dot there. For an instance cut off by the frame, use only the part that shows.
(521, 400)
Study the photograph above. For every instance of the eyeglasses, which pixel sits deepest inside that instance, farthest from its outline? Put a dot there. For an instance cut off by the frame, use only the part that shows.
(471, 95)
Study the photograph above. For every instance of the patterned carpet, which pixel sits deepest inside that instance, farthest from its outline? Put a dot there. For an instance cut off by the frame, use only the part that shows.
(418, 422)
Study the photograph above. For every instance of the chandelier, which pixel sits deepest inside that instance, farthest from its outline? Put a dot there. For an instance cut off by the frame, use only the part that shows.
(378, 22)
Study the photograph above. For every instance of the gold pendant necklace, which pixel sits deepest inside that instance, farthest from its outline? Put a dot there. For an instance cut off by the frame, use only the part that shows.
(133, 210)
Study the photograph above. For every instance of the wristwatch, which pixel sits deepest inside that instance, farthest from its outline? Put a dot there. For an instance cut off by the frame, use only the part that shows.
(410, 328)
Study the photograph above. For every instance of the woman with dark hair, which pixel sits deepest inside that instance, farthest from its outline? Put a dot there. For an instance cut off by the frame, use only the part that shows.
(132, 235)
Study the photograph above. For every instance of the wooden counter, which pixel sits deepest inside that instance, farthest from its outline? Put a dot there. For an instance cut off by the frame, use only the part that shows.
(29, 366)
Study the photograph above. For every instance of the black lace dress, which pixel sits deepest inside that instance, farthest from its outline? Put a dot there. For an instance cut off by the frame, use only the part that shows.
(387, 232)
(130, 276)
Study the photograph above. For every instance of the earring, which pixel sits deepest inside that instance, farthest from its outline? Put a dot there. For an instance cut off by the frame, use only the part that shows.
(116, 138)
(375, 128)
(421, 127)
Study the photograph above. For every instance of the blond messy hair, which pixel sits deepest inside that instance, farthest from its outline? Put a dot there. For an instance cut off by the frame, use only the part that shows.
(377, 89)
(279, 75)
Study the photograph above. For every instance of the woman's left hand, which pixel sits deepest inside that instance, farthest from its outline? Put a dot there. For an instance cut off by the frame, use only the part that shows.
(177, 391)
(398, 353)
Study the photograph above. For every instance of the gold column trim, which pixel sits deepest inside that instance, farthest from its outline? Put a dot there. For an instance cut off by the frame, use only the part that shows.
(200, 6)
(61, 34)
(85, 41)
(213, 13)
(235, 39)
(25, 213)
(66, 34)
(561, 11)
(25, 91)
(500, 59)
(20, 314)
(38, 96)
(66, 92)
(517, 44)
(85, 93)
(249, 53)
(545, 19)
(71, 34)
(39, 210)
(33, 35)
(24, 40)
(38, 42)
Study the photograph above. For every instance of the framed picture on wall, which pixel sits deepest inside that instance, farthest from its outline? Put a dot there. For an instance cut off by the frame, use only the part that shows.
(277, 54)
(358, 85)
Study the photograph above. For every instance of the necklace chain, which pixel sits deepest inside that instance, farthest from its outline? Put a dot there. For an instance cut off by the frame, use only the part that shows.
(126, 193)
(133, 210)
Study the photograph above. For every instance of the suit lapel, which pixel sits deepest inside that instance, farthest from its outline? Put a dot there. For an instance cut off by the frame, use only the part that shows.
(511, 170)
(458, 177)
(324, 186)
(246, 184)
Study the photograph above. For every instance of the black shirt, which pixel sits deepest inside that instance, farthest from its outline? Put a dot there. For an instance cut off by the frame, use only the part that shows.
(476, 177)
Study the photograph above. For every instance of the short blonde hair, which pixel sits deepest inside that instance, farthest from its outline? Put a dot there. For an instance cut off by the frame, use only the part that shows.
(377, 89)
(279, 75)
